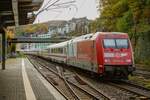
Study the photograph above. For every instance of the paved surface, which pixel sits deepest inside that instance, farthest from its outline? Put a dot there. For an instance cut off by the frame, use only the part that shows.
(11, 82)
(21, 81)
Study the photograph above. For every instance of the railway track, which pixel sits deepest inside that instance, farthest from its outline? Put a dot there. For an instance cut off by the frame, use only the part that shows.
(81, 89)
(121, 90)
(68, 84)
(142, 70)
(145, 74)
(142, 67)
(51, 78)
(140, 92)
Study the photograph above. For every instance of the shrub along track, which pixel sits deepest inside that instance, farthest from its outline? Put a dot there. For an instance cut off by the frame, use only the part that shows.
(75, 86)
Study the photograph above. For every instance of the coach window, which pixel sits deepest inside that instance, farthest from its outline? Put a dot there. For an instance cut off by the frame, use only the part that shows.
(61, 50)
(64, 50)
(52, 50)
(56, 50)
(49, 50)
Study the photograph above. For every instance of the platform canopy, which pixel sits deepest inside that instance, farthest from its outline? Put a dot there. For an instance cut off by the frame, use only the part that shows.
(15, 12)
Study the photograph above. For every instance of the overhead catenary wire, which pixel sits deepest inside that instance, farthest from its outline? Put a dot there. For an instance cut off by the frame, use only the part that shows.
(56, 5)
(81, 5)
(47, 7)
(46, 4)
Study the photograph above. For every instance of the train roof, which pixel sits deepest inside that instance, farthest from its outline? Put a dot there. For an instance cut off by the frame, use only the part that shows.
(62, 44)
(112, 33)
(92, 36)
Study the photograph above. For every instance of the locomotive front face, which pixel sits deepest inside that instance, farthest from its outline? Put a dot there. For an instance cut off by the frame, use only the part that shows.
(116, 54)
(117, 51)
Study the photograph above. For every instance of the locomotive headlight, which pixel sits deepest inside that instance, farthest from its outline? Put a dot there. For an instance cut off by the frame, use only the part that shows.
(123, 54)
(109, 54)
(128, 60)
(106, 60)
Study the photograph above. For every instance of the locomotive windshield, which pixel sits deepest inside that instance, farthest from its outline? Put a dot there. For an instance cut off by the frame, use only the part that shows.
(116, 43)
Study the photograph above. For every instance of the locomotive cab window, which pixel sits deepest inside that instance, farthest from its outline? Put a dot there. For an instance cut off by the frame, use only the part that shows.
(109, 43)
(122, 43)
(115, 43)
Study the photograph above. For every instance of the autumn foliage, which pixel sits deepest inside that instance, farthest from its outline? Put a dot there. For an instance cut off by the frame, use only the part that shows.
(129, 16)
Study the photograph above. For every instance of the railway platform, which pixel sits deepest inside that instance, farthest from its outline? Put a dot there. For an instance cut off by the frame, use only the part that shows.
(21, 81)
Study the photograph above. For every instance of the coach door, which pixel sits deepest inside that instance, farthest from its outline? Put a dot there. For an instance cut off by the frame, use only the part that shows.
(71, 48)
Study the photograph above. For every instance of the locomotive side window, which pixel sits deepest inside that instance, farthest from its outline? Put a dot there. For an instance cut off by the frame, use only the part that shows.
(115, 43)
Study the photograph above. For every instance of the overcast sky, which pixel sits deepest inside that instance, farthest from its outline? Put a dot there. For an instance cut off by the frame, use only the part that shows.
(85, 8)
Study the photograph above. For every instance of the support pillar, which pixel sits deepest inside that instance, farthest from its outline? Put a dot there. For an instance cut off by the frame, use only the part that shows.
(3, 50)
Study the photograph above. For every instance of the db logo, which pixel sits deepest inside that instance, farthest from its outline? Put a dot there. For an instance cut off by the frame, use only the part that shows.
(117, 54)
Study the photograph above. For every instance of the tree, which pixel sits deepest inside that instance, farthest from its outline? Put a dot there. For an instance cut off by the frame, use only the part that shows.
(129, 16)
(125, 22)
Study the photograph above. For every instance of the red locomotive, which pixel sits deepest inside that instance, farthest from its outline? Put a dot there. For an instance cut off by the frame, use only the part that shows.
(104, 53)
